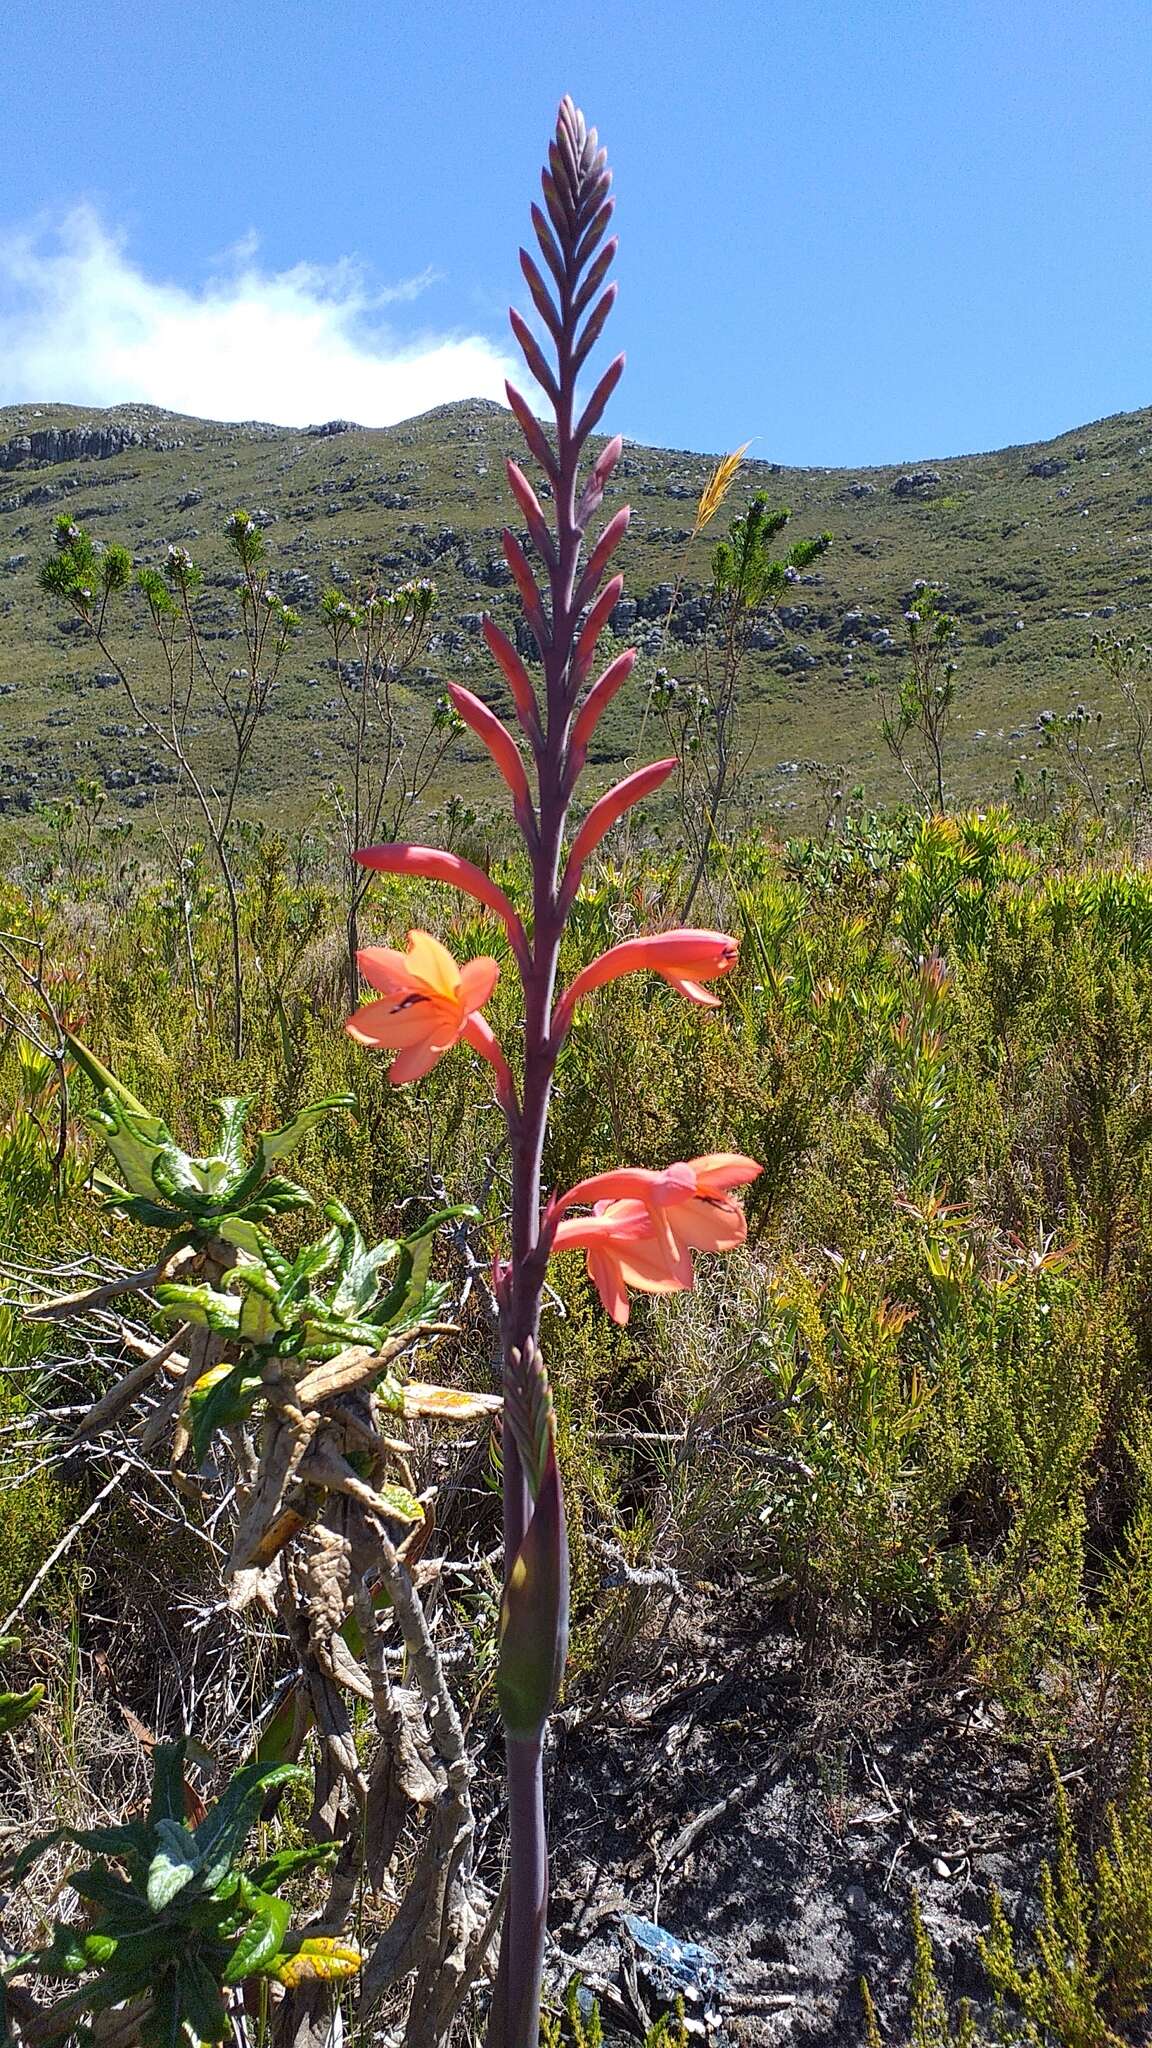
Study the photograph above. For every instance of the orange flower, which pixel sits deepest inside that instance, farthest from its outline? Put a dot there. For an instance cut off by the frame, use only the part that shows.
(624, 1250)
(429, 1004)
(708, 1220)
(684, 958)
(644, 1234)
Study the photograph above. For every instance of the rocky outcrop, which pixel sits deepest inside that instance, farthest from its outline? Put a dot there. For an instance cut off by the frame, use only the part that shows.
(917, 483)
(67, 444)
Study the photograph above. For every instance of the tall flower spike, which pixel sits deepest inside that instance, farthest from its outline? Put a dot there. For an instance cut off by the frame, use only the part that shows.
(647, 1225)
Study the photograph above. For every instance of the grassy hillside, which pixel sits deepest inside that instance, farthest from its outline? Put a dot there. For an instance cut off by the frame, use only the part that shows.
(1037, 547)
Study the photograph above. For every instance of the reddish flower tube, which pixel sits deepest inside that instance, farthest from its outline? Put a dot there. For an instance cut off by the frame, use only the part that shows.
(604, 814)
(496, 737)
(685, 958)
(432, 864)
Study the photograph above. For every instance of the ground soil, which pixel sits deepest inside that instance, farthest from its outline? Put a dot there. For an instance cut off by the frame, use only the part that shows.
(822, 1800)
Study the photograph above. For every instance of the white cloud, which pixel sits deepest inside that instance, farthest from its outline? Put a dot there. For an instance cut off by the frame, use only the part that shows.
(81, 324)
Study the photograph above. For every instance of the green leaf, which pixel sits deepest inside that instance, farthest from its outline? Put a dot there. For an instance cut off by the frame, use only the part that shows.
(126, 1842)
(65, 1953)
(219, 1398)
(200, 1304)
(103, 1082)
(222, 1832)
(259, 1319)
(233, 1117)
(260, 1943)
(286, 1863)
(163, 2025)
(401, 1503)
(241, 1232)
(278, 1733)
(185, 1181)
(358, 1273)
(136, 1143)
(280, 1144)
(142, 1208)
(16, 1707)
(119, 1901)
(174, 1866)
(201, 2002)
(319, 1256)
(275, 1197)
(167, 1801)
(408, 1298)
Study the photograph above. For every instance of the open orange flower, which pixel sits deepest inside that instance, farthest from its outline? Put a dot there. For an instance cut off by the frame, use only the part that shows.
(707, 1219)
(644, 1233)
(624, 1250)
(428, 1003)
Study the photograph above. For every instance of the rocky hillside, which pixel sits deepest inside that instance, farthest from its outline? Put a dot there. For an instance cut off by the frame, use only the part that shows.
(1037, 547)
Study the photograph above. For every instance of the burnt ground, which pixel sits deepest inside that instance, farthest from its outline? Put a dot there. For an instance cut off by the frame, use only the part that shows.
(783, 1817)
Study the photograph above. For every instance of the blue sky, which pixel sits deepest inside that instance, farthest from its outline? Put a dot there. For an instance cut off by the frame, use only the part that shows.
(870, 230)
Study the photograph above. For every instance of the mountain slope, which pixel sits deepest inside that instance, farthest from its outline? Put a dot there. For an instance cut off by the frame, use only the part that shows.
(1038, 548)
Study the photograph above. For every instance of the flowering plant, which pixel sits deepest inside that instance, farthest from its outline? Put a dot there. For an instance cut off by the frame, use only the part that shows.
(643, 1225)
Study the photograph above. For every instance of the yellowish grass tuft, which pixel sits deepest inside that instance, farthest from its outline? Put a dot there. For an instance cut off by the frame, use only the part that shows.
(717, 488)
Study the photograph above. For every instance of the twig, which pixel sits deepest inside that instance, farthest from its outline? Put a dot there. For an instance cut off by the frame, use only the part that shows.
(64, 1305)
(118, 1397)
(65, 1543)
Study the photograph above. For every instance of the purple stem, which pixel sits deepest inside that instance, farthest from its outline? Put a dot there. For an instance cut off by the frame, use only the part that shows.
(575, 187)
